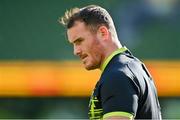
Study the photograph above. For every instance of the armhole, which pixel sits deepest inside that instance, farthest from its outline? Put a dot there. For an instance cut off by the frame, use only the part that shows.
(119, 113)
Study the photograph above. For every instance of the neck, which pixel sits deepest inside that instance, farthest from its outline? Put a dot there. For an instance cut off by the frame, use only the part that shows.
(111, 47)
(109, 50)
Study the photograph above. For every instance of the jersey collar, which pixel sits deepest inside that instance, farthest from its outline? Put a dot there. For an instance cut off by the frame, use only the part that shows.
(107, 60)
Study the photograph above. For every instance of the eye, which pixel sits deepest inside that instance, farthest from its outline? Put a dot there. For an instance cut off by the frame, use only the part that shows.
(78, 41)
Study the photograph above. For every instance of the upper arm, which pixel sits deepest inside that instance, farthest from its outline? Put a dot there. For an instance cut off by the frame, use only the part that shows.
(119, 96)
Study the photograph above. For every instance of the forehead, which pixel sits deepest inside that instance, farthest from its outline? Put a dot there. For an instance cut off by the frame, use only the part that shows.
(79, 29)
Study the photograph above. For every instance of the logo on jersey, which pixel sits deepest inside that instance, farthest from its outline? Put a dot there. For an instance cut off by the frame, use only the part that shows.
(95, 109)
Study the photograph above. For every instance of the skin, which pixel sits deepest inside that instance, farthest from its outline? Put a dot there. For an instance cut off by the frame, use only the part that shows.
(92, 47)
(89, 46)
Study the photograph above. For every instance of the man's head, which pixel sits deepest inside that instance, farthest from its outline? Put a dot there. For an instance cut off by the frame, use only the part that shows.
(91, 30)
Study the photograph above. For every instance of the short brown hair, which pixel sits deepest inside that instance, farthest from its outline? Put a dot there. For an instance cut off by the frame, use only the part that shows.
(93, 16)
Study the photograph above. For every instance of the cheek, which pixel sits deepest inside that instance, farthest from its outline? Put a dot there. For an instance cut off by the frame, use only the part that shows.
(93, 48)
(96, 52)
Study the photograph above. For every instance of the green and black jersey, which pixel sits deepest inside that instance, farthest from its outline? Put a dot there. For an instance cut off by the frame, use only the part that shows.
(125, 89)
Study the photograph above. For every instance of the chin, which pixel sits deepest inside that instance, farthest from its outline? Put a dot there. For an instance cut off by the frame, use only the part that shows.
(90, 67)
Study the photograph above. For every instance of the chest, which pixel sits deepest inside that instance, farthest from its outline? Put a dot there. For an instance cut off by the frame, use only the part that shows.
(95, 106)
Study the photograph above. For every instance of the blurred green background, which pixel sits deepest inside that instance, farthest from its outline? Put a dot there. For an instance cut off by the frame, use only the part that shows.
(29, 30)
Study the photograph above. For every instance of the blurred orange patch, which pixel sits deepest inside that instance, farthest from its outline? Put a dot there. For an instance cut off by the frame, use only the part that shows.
(69, 78)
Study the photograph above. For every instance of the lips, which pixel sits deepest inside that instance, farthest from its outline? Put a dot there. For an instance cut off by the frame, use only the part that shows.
(83, 57)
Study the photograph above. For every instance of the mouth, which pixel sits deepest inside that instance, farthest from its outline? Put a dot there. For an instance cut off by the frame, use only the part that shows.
(83, 57)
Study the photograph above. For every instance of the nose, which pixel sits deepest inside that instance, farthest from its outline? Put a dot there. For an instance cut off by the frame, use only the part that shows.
(77, 50)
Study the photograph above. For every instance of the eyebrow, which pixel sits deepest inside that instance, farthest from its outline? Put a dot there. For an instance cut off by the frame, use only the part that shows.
(76, 40)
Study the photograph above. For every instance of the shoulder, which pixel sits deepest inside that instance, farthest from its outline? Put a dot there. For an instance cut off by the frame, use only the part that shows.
(117, 71)
(119, 76)
(117, 80)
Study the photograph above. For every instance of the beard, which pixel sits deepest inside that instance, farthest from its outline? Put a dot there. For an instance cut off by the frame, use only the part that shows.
(93, 62)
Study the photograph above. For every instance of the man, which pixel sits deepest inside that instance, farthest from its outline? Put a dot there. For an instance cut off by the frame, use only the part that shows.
(125, 89)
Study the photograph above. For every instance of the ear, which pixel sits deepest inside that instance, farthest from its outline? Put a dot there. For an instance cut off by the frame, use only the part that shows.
(103, 32)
